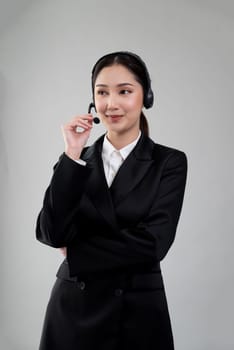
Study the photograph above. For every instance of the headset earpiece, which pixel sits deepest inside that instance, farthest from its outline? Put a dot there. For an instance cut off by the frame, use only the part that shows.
(148, 98)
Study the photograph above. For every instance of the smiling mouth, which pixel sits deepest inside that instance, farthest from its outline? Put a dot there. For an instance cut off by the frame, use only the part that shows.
(114, 116)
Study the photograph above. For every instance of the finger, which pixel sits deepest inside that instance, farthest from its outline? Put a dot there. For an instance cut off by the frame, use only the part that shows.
(78, 123)
(85, 117)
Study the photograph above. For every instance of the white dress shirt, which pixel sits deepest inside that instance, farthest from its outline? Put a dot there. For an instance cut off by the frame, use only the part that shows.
(113, 158)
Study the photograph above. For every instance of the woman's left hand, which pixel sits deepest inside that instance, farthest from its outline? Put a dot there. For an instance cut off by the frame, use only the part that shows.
(63, 250)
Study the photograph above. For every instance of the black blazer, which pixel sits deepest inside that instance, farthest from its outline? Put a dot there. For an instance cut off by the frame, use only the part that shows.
(130, 225)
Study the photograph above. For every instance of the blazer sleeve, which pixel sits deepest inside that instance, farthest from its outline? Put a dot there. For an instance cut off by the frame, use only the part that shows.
(149, 241)
(54, 225)
(154, 236)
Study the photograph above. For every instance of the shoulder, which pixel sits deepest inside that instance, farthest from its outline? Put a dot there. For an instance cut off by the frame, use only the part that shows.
(165, 152)
(168, 157)
(162, 152)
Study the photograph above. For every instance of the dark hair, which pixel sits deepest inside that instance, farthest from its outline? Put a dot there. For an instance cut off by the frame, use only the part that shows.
(138, 68)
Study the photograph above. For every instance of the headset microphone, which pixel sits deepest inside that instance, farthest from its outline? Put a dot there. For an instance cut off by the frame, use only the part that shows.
(96, 120)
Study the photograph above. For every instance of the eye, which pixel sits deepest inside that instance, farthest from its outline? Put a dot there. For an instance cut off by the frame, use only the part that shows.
(101, 92)
(125, 92)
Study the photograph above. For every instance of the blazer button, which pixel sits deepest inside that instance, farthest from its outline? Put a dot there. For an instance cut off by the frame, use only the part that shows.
(118, 292)
(81, 285)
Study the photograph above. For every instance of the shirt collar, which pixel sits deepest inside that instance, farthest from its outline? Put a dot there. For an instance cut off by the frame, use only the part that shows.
(108, 148)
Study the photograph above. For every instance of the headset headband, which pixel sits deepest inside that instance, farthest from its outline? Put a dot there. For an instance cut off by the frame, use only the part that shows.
(148, 93)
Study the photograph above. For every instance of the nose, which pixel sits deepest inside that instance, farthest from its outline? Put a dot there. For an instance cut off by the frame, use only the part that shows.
(112, 102)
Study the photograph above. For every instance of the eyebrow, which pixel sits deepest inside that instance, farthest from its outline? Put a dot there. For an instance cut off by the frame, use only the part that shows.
(119, 85)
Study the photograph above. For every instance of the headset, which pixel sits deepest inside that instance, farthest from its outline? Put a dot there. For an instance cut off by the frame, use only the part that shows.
(96, 120)
(148, 98)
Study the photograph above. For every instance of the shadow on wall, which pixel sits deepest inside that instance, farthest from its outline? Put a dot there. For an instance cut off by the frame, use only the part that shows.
(4, 170)
(3, 187)
(3, 153)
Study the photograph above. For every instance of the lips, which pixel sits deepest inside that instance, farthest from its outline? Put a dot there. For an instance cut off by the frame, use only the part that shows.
(115, 117)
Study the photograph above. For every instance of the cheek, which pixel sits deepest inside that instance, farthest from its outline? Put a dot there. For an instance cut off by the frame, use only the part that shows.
(135, 103)
(100, 106)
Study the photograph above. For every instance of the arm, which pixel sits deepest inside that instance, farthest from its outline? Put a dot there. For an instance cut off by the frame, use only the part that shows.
(55, 221)
(54, 224)
(154, 236)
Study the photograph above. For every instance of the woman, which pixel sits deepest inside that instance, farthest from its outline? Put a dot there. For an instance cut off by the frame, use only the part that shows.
(115, 206)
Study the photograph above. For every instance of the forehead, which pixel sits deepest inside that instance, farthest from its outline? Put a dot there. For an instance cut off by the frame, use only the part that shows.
(115, 74)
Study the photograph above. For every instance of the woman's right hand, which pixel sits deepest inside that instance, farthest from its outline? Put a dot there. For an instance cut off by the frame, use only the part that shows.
(74, 139)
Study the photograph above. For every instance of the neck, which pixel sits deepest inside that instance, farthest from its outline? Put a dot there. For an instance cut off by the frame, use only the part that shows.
(121, 140)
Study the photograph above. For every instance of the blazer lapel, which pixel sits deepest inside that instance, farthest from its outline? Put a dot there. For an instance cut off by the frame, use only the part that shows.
(133, 169)
(97, 188)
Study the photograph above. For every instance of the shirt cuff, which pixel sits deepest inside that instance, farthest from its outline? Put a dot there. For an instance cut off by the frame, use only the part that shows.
(81, 162)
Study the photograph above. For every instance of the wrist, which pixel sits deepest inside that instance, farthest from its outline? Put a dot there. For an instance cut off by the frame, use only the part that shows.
(73, 154)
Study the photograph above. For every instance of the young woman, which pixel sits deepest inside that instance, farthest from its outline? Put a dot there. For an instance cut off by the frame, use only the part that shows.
(113, 209)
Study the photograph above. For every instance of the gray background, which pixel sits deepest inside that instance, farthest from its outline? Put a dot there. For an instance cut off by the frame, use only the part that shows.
(47, 49)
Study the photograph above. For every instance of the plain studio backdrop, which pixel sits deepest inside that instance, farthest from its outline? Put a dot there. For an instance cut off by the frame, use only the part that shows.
(47, 50)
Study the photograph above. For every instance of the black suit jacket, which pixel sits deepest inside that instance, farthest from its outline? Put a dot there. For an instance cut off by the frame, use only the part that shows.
(130, 225)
